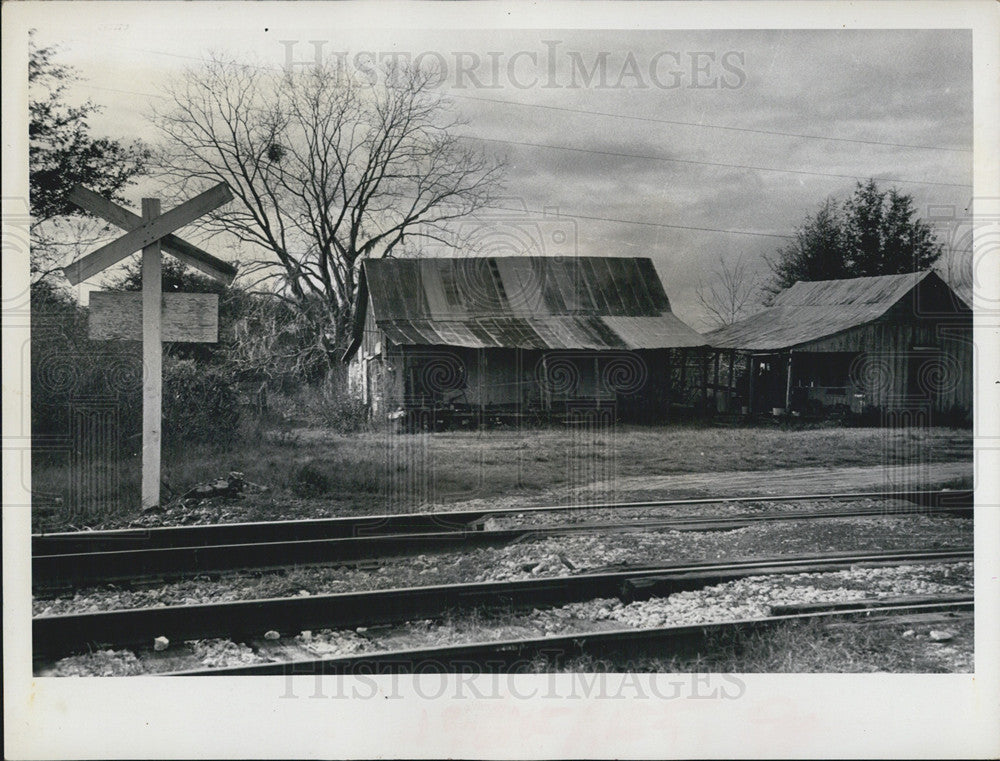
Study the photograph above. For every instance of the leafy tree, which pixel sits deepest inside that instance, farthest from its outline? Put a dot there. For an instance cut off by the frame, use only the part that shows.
(883, 234)
(328, 166)
(874, 232)
(62, 153)
(176, 278)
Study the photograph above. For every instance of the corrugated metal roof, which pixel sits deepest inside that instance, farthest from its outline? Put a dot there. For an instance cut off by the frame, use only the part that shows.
(811, 310)
(410, 289)
(559, 332)
(524, 302)
(883, 290)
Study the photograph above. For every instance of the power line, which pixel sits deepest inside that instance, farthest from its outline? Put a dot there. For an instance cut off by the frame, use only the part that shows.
(707, 126)
(616, 154)
(124, 92)
(638, 222)
(649, 119)
(609, 153)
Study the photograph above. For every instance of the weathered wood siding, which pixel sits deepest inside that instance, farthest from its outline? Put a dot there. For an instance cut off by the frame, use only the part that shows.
(366, 370)
(891, 370)
(186, 317)
(513, 380)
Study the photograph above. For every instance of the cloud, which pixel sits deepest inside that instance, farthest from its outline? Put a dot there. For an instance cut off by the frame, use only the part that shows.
(872, 86)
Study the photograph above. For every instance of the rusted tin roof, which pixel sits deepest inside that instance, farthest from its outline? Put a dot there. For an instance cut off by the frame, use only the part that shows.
(810, 311)
(522, 302)
(878, 291)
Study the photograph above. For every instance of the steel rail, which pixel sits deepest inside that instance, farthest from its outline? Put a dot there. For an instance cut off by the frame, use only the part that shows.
(68, 542)
(516, 655)
(66, 633)
(72, 570)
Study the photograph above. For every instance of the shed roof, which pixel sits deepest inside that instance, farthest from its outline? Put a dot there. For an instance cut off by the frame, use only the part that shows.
(812, 310)
(521, 302)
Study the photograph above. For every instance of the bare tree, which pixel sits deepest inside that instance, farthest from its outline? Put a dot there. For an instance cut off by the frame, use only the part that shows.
(731, 291)
(328, 165)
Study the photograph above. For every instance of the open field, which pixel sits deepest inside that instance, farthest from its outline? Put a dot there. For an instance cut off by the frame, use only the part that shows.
(313, 473)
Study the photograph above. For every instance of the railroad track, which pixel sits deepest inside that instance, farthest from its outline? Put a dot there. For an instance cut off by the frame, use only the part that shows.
(59, 635)
(70, 560)
(454, 520)
(514, 655)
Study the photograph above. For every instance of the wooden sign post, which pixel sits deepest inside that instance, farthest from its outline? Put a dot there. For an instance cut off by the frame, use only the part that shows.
(114, 313)
(152, 361)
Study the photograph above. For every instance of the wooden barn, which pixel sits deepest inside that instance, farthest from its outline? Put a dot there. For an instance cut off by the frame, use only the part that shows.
(887, 343)
(479, 340)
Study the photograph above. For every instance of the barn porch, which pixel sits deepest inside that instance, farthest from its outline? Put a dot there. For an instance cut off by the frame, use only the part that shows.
(456, 387)
(894, 342)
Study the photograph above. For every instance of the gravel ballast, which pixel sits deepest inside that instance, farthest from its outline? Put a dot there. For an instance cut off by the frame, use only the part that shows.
(720, 510)
(751, 597)
(537, 558)
(754, 596)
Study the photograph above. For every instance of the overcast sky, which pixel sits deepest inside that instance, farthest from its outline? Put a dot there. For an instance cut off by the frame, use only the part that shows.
(673, 131)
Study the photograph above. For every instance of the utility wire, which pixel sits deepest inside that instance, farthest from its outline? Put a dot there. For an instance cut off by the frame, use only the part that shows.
(706, 163)
(649, 119)
(557, 215)
(646, 157)
(655, 120)
(626, 155)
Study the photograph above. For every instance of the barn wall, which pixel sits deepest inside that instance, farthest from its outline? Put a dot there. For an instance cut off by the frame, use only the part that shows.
(956, 343)
(366, 369)
(890, 371)
(495, 377)
(515, 380)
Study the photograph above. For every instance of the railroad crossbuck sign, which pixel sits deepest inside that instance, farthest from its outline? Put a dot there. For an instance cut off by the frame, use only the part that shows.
(162, 317)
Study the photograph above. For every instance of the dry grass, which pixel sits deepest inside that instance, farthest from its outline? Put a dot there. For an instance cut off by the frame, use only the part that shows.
(463, 465)
(379, 470)
(808, 647)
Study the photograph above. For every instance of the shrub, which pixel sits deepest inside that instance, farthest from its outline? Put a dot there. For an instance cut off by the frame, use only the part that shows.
(341, 413)
(200, 405)
(321, 406)
(76, 381)
(956, 416)
(310, 481)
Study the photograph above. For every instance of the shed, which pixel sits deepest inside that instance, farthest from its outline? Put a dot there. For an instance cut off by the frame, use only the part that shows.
(508, 337)
(890, 342)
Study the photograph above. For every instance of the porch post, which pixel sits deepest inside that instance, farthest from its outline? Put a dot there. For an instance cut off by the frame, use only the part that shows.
(546, 397)
(668, 377)
(715, 384)
(732, 374)
(482, 388)
(597, 382)
(704, 379)
(788, 386)
(750, 399)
